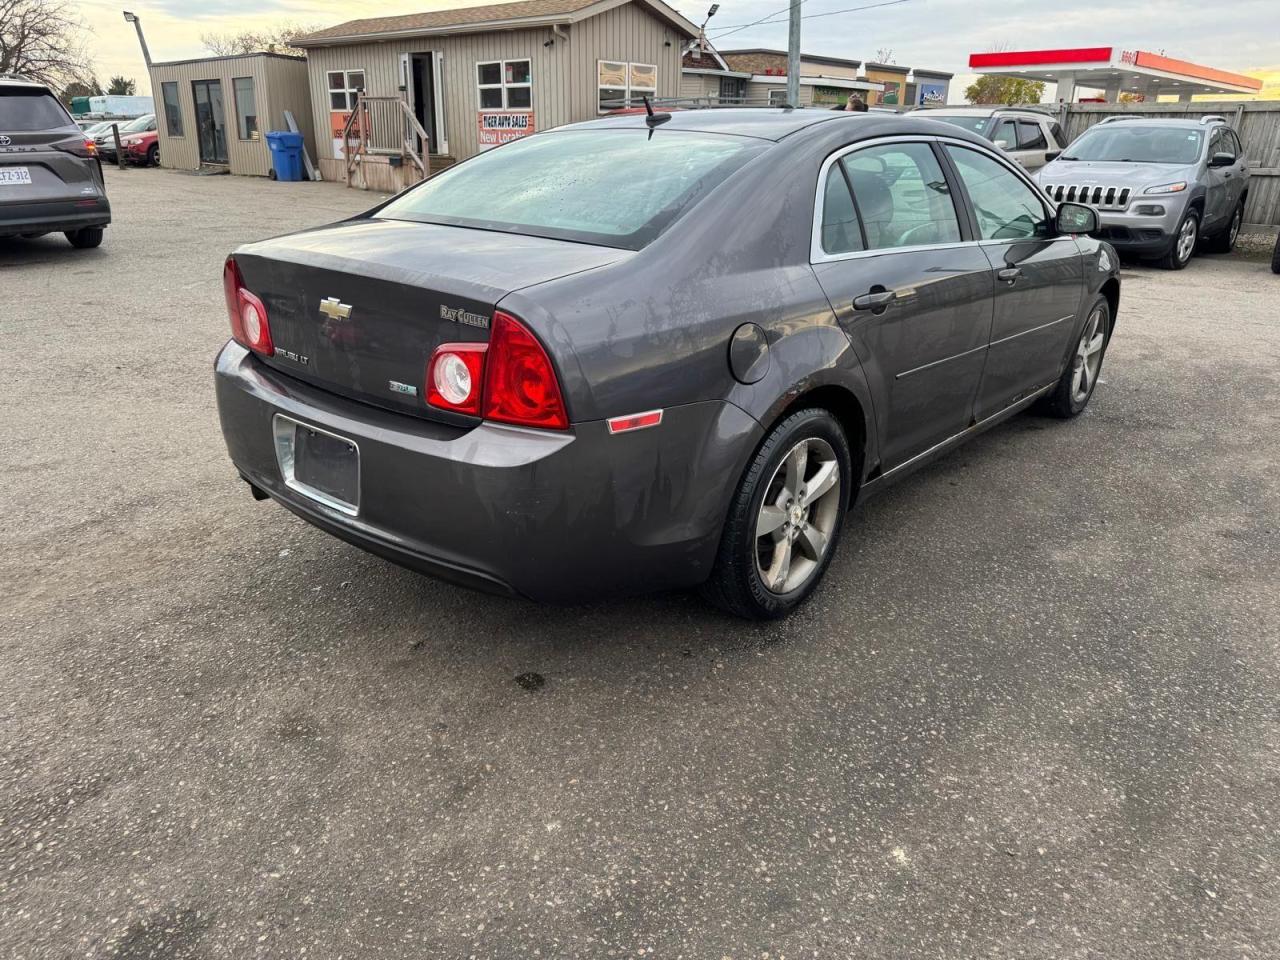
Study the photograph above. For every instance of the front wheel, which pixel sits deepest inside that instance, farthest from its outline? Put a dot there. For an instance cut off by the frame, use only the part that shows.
(1275, 257)
(153, 155)
(785, 519)
(1184, 242)
(1075, 387)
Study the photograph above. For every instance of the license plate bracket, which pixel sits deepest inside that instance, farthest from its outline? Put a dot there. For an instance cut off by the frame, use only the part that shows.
(318, 464)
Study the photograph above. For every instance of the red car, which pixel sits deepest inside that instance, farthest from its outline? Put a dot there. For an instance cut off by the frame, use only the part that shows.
(142, 147)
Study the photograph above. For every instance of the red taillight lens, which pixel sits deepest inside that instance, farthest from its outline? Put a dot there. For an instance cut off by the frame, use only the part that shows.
(455, 377)
(248, 314)
(520, 385)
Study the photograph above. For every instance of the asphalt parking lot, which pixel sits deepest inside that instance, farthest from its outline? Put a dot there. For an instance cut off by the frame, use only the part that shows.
(1034, 711)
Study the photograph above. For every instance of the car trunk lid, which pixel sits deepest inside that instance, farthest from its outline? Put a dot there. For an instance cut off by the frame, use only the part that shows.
(358, 307)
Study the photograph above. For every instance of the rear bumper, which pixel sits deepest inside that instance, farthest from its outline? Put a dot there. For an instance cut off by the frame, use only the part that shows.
(53, 216)
(546, 515)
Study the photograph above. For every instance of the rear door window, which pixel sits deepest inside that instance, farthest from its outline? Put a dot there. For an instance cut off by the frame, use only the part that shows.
(1006, 208)
(1031, 136)
(841, 230)
(27, 110)
(902, 195)
(1006, 130)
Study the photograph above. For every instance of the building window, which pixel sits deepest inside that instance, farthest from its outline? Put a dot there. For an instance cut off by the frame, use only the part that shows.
(172, 111)
(345, 87)
(778, 98)
(624, 84)
(505, 85)
(246, 108)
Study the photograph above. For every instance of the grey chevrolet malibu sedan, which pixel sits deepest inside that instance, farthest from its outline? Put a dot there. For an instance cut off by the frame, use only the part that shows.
(657, 352)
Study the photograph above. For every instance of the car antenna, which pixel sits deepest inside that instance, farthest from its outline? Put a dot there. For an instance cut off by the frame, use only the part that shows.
(653, 119)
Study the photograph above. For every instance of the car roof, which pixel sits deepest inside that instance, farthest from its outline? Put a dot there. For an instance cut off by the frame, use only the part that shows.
(767, 123)
(17, 80)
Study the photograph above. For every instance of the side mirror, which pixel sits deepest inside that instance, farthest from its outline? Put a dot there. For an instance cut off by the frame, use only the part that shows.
(1075, 218)
(1002, 144)
(1222, 160)
(1052, 155)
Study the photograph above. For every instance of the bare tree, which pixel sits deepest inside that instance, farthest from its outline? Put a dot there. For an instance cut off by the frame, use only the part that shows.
(271, 39)
(41, 39)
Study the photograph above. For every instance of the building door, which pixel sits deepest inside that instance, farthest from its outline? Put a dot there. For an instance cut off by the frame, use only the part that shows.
(420, 81)
(211, 121)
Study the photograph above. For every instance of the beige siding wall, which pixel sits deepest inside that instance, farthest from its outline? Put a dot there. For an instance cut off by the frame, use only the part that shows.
(699, 85)
(564, 74)
(809, 68)
(758, 93)
(278, 84)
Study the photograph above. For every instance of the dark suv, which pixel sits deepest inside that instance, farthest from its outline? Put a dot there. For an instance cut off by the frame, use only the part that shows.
(50, 175)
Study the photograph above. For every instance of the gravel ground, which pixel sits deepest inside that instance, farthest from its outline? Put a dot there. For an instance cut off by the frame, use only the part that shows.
(1032, 713)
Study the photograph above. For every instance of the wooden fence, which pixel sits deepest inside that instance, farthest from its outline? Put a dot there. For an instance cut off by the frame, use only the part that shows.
(1257, 122)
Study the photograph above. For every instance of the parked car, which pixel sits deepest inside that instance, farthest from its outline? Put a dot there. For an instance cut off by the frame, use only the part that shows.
(50, 177)
(142, 148)
(1161, 186)
(646, 353)
(106, 140)
(1031, 137)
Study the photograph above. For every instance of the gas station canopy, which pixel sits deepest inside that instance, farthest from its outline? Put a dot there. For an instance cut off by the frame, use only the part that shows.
(1114, 72)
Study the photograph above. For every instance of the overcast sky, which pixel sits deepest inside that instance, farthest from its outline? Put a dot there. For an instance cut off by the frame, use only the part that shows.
(1239, 35)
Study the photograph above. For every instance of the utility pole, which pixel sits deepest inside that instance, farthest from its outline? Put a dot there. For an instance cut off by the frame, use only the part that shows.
(137, 25)
(793, 55)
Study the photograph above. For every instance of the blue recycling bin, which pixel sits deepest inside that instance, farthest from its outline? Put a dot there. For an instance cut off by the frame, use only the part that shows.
(286, 154)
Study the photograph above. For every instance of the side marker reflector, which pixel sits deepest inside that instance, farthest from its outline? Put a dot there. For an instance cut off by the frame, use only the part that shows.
(635, 421)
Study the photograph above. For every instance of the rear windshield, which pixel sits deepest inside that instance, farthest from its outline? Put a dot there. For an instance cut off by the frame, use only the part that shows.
(137, 126)
(1127, 142)
(618, 188)
(976, 125)
(23, 110)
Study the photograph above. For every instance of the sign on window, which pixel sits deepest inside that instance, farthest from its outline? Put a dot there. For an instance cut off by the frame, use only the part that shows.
(497, 127)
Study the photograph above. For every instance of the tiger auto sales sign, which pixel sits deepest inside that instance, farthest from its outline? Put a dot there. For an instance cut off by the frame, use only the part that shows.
(503, 126)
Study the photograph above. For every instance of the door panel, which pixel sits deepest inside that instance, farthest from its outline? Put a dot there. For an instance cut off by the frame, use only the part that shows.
(913, 296)
(1038, 279)
(211, 123)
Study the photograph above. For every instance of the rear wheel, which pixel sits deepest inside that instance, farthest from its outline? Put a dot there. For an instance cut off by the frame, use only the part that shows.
(1275, 257)
(1184, 242)
(1075, 387)
(85, 238)
(785, 519)
(1225, 241)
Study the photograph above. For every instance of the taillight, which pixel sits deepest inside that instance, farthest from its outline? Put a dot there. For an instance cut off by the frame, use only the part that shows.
(80, 148)
(90, 148)
(509, 379)
(455, 377)
(520, 383)
(247, 313)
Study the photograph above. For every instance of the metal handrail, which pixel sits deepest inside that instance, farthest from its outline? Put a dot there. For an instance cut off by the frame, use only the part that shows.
(406, 146)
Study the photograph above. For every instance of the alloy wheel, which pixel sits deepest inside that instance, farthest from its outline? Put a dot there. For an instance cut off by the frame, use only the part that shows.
(1187, 239)
(798, 516)
(1088, 358)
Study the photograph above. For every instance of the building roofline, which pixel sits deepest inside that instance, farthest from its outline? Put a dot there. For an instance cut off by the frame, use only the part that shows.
(716, 73)
(811, 57)
(939, 74)
(234, 56)
(886, 67)
(656, 8)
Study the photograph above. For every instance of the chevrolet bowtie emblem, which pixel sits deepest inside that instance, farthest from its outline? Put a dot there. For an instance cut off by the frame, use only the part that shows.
(334, 310)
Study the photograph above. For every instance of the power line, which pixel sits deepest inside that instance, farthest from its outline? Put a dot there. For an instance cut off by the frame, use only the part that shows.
(810, 16)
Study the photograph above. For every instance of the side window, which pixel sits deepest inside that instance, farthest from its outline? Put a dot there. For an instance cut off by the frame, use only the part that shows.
(841, 231)
(1215, 143)
(1030, 136)
(1227, 142)
(1007, 131)
(1006, 208)
(172, 112)
(1236, 142)
(902, 195)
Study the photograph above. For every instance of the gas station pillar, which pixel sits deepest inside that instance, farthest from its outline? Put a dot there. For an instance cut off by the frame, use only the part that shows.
(1067, 87)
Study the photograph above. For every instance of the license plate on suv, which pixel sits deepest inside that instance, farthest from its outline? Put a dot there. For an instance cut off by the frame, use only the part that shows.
(15, 175)
(318, 464)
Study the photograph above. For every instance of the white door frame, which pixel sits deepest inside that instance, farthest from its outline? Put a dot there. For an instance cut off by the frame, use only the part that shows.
(437, 94)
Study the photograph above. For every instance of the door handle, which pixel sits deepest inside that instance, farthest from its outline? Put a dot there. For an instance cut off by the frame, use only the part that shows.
(877, 301)
(1009, 275)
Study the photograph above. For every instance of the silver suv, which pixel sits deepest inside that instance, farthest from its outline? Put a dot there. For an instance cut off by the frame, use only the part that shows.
(1030, 137)
(1160, 186)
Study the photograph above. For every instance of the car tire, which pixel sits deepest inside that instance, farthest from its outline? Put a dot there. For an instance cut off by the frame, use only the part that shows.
(1183, 246)
(1075, 387)
(777, 489)
(1225, 240)
(85, 238)
(1275, 257)
(153, 155)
